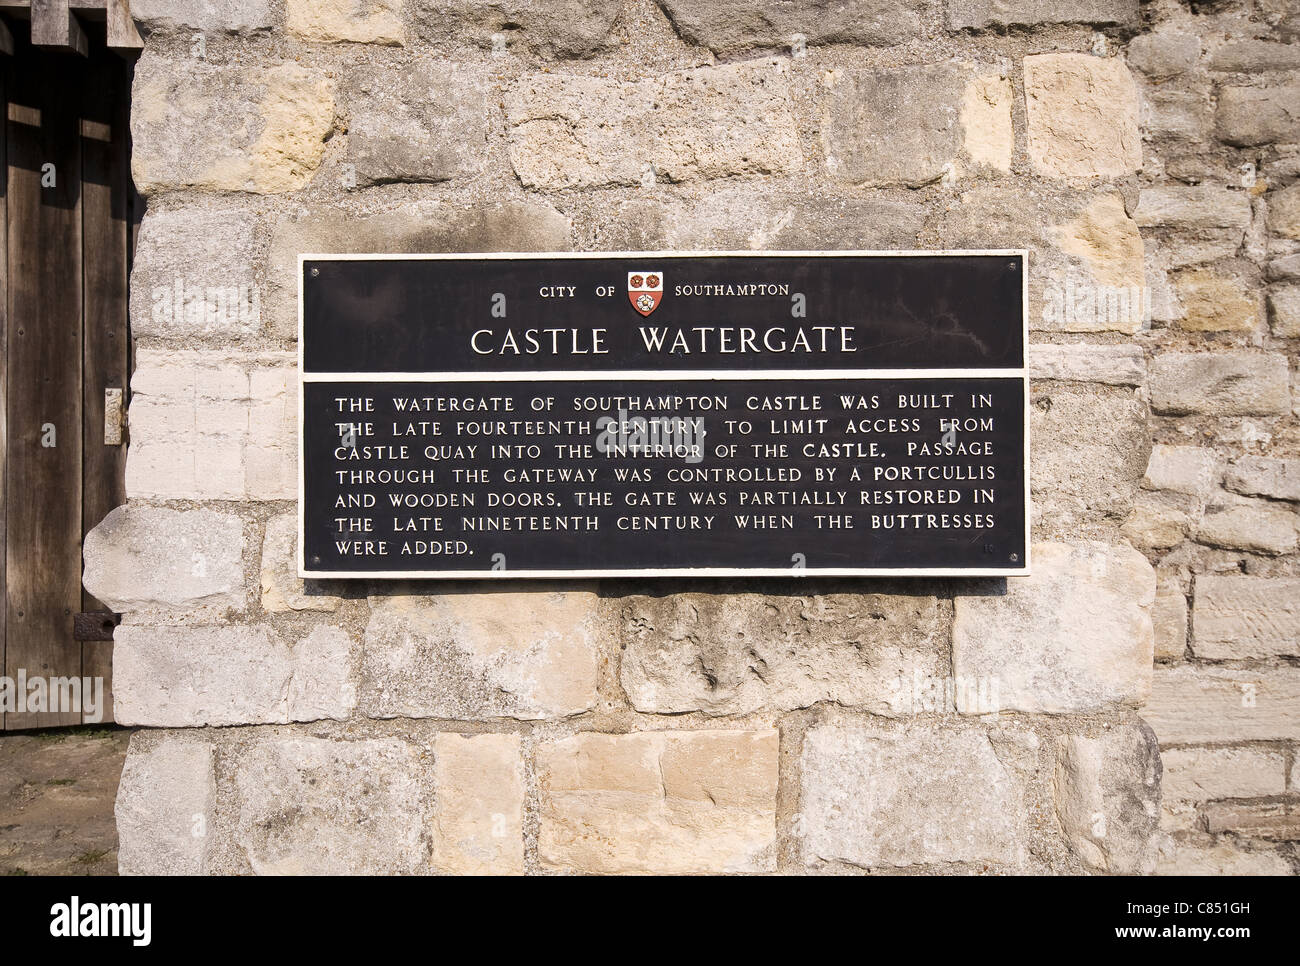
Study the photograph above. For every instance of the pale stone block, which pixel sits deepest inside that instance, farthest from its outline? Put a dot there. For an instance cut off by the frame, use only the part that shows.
(194, 272)
(473, 656)
(1214, 302)
(227, 127)
(416, 122)
(916, 125)
(1193, 208)
(321, 806)
(1263, 476)
(1255, 527)
(209, 425)
(1181, 114)
(737, 653)
(271, 451)
(1221, 859)
(982, 14)
(1284, 212)
(572, 131)
(1233, 383)
(1074, 429)
(1255, 55)
(1165, 52)
(1284, 311)
(1196, 223)
(168, 566)
(732, 26)
(1190, 470)
(1237, 617)
(1083, 116)
(177, 677)
(1249, 116)
(282, 588)
(1108, 798)
(1076, 636)
(670, 803)
(1190, 705)
(1107, 241)
(1204, 774)
(550, 28)
(478, 821)
(233, 16)
(1169, 620)
(1156, 523)
(166, 802)
(334, 21)
(1114, 365)
(1264, 820)
(881, 797)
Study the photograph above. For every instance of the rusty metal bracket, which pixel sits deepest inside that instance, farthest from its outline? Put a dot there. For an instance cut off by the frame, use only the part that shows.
(95, 625)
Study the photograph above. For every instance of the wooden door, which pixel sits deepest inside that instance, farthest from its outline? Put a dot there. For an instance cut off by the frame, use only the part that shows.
(67, 204)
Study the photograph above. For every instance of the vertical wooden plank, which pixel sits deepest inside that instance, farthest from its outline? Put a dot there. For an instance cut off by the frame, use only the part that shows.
(6, 67)
(43, 550)
(105, 219)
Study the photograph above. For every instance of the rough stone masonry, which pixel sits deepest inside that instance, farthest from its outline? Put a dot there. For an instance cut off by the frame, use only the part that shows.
(1133, 707)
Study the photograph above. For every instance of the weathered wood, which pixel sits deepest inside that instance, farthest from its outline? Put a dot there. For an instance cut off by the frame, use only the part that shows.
(121, 31)
(106, 220)
(55, 25)
(6, 74)
(43, 550)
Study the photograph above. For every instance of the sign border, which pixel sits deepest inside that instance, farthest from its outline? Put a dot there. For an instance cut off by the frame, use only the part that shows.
(1011, 372)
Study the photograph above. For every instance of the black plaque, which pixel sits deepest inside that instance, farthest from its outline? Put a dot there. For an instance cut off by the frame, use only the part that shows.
(637, 414)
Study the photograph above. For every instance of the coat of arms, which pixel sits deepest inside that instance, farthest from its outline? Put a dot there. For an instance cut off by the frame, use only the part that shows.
(645, 290)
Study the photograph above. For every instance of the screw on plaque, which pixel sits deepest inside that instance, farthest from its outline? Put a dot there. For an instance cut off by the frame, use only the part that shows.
(1012, 266)
(315, 272)
(1015, 557)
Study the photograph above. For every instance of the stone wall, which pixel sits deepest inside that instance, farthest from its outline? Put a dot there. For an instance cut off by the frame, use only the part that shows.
(1134, 706)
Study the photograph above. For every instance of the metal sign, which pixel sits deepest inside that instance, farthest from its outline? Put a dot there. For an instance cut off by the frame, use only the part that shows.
(663, 414)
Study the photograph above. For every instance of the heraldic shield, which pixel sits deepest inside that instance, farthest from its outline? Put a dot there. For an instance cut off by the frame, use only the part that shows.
(645, 290)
